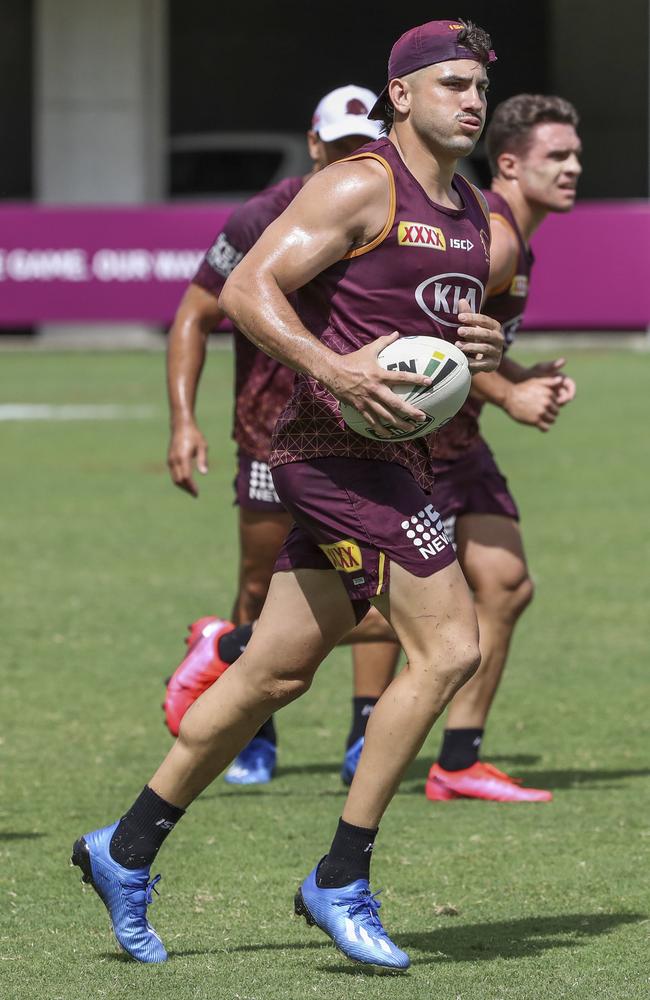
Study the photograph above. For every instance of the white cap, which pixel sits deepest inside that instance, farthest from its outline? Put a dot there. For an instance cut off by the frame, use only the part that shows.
(343, 112)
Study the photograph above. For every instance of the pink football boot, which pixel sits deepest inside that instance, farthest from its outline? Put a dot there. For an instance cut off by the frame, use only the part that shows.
(198, 671)
(480, 781)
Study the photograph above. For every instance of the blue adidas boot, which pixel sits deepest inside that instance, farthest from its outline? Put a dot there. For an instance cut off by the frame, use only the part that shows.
(349, 916)
(255, 765)
(125, 893)
(351, 761)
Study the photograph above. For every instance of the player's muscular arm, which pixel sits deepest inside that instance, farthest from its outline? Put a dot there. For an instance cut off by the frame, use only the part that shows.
(199, 313)
(344, 206)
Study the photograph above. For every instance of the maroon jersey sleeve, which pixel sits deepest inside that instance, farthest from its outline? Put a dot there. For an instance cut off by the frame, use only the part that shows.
(238, 236)
(241, 232)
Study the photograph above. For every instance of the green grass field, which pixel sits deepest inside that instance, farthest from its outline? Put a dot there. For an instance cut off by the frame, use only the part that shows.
(104, 564)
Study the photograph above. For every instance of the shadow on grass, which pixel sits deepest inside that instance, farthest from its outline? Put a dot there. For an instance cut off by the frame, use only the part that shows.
(525, 938)
(528, 937)
(351, 968)
(570, 778)
(330, 767)
(287, 946)
(419, 769)
(15, 835)
(252, 791)
(413, 783)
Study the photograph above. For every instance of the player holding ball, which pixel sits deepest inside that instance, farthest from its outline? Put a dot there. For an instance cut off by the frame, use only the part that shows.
(361, 243)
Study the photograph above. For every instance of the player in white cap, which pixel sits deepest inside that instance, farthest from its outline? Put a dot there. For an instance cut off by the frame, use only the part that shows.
(262, 386)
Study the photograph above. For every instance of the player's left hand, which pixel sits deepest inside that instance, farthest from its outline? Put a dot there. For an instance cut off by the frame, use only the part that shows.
(566, 389)
(480, 338)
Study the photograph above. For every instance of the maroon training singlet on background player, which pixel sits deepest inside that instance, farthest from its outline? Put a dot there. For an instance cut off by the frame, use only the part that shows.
(505, 304)
(262, 385)
(411, 278)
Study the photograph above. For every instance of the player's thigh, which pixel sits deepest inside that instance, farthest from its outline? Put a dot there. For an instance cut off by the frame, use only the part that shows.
(433, 617)
(491, 552)
(261, 535)
(306, 613)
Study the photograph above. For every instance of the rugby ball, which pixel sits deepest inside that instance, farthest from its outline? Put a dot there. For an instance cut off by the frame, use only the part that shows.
(443, 362)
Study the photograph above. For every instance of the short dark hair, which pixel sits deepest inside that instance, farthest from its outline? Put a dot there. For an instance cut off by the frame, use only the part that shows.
(511, 126)
(473, 38)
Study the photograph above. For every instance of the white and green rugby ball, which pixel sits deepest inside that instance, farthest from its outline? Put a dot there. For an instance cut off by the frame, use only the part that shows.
(443, 362)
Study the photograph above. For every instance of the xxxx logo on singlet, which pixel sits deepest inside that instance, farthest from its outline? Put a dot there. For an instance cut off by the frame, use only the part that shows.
(519, 286)
(344, 555)
(418, 234)
(440, 296)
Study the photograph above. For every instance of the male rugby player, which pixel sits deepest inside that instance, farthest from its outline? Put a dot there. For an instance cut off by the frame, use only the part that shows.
(534, 154)
(262, 387)
(350, 242)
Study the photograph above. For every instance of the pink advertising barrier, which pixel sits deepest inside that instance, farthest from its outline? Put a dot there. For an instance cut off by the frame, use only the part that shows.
(592, 269)
(111, 264)
(100, 264)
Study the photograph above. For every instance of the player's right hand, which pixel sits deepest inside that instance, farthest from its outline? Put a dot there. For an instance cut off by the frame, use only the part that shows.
(187, 449)
(534, 401)
(357, 379)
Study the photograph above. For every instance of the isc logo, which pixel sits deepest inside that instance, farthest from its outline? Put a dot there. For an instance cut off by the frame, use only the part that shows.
(456, 244)
(418, 234)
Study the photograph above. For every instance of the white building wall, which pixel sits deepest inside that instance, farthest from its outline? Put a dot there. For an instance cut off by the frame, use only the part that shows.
(100, 100)
(100, 110)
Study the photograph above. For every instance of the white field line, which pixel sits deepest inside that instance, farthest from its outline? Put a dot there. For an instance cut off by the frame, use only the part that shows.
(47, 411)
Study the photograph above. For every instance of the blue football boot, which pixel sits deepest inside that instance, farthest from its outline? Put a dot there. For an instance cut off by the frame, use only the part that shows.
(349, 916)
(351, 761)
(125, 893)
(255, 765)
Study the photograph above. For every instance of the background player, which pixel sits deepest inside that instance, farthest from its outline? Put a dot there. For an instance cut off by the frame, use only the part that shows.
(357, 281)
(534, 154)
(262, 386)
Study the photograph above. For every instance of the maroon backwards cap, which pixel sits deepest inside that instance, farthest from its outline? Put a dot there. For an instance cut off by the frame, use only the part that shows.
(433, 42)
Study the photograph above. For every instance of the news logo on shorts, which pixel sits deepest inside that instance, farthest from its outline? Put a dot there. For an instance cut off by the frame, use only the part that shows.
(260, 483)
(427, 532)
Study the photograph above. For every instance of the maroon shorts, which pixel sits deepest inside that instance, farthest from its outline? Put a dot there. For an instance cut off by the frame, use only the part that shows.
(356, 516)
(254, 489)
(471, 485)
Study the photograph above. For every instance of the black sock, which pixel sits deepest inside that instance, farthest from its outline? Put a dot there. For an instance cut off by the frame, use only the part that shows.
(142, 830)
(231, 645)
(348, 858)
(460, 748)
(361, 712)
(267, 732)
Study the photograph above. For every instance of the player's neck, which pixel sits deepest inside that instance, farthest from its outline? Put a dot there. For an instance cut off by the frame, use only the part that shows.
(528, 215)
(433, 172)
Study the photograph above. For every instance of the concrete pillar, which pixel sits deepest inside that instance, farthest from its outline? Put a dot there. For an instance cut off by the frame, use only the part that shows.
(100, 116)
(100, 95)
